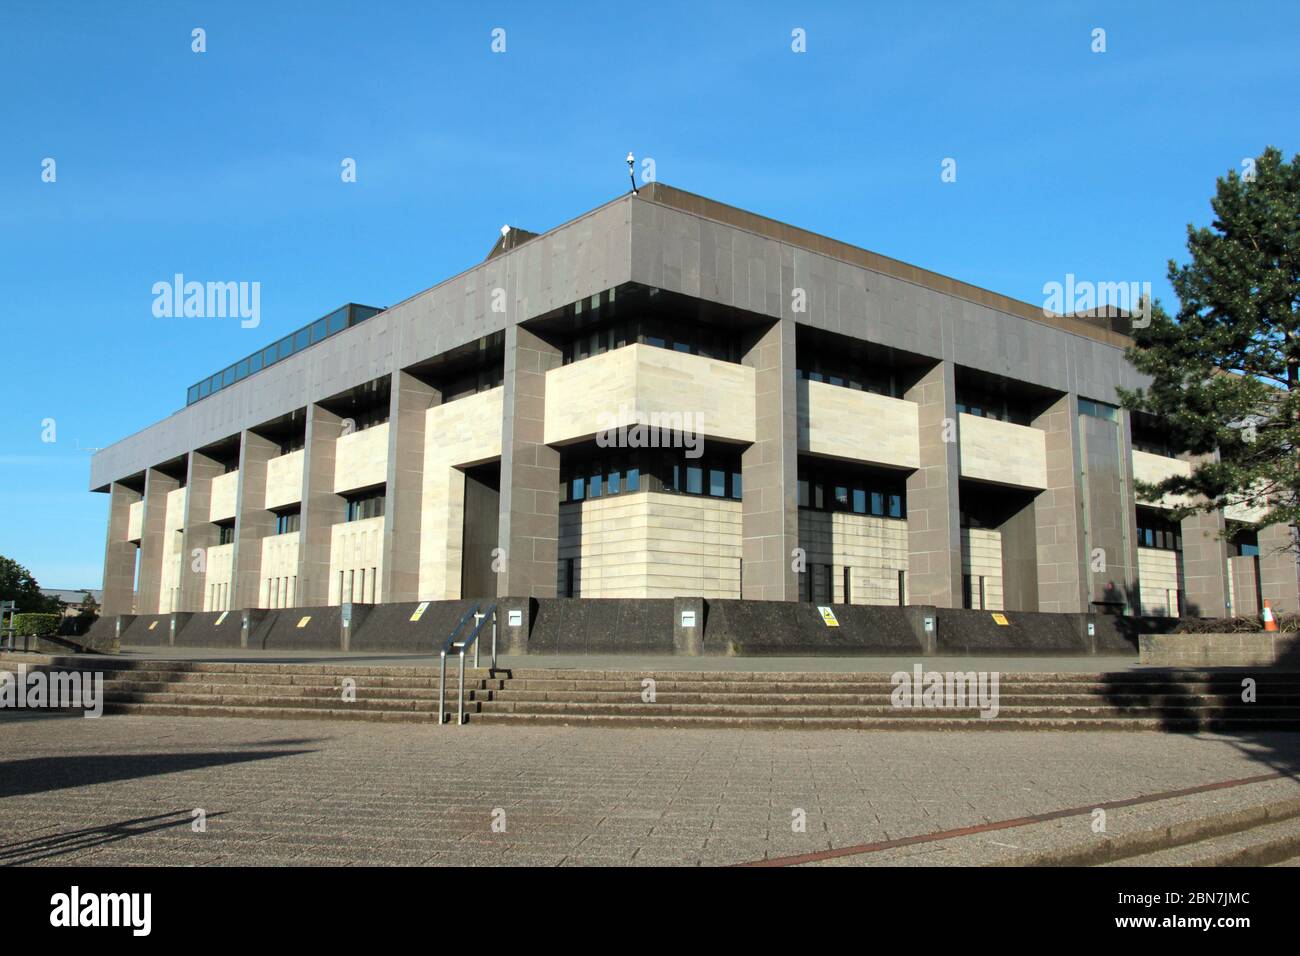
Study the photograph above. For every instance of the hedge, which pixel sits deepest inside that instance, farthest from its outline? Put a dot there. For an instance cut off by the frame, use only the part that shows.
(36, 625)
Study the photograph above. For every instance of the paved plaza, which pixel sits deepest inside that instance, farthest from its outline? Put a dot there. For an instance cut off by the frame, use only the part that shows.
(124, 789)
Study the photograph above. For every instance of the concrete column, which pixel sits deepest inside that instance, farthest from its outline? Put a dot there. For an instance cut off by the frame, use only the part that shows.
(119, 553)
(252, 521)
(157, 486)
(1205, 564)
(528, 528)
(411, 400)
(933, 506)
(1108, 516)
(1279, 579)
(770, 470)
(1058, 513)
(200, 533)
(1244, 572)
(322, 509)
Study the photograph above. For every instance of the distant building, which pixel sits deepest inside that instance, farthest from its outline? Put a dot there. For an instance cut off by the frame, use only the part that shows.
(72, 599)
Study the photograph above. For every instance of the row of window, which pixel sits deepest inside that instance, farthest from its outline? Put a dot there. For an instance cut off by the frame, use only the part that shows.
(366, 505)
(677, 336)
(817, 368)
(881, 496)
(983, 405)
(716, 474)
(1156, 531)
(334, 323)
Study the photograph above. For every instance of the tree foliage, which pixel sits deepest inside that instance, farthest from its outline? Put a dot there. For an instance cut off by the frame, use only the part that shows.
(17, 584)
(1225, 368)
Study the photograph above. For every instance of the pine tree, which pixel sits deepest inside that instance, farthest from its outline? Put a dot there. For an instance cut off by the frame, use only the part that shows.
(1225, 369)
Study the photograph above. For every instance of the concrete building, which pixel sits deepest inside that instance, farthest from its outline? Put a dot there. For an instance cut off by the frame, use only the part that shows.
(672, 397)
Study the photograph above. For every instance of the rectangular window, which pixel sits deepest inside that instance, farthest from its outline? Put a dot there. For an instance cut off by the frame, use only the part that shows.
(694, 480)
(612, 482)
(634, 479)
(736, 486)
(859, 501)
(848, 586)
(717, 483)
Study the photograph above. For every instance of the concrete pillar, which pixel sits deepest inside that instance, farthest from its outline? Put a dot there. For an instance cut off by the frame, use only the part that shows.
(200, 533)
(1205, 564)
(933, 506)
(1058, 513)
(157, 485)
(411, 399)
(770, 470)
(1279, 577)
(119, 553)
(528, 529)
(1108, 516)
(1244, 573)
(322, 509)
(252, 521)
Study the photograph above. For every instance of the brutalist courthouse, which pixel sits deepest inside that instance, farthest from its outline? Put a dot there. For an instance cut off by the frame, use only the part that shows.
(830, 426)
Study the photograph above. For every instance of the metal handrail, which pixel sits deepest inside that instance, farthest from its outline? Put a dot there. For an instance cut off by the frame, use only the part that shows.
(480, 618)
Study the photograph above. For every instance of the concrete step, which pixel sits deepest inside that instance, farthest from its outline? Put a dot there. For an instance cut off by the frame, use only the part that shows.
(755, 696)
(363, 689)
(270, 713)
(682, 721)
(1260, 845)
(279, 702)
(633, 683)
(817, 709)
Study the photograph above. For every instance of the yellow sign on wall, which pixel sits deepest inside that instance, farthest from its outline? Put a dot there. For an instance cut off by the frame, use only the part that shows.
(152, 625)
(419, 611)
(828, 616)
(1001, 620)
(221, 617)
(303, 622)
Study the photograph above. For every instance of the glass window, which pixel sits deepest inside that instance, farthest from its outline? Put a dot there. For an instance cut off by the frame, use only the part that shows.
(593, 486)
(633, 479)
(841, 497)
(859, 501)
(895, 506)
(736, 486)
(228, 377)
(205, 388)
(804, 501)
(717, 483)
(338, 321)
(612, 482)
(819, 496)
(286, 346)
(241, 370)
(579, 486)
(255, 363)
(269, 357)
(301, 339)
(694, 480)
(877, 503)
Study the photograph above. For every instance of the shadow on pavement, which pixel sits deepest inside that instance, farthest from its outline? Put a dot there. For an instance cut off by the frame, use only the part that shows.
(54, 845)
(45, 774)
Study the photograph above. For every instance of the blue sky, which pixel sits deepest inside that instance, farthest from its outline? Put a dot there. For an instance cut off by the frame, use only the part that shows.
(225, 165)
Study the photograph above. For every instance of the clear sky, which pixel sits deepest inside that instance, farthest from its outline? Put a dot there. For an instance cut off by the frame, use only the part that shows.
(225, 165)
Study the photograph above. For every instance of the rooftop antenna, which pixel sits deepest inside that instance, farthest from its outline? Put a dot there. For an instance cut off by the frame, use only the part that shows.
(631, 162)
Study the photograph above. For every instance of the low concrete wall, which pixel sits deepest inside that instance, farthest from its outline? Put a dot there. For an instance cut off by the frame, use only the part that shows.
(1220, 650)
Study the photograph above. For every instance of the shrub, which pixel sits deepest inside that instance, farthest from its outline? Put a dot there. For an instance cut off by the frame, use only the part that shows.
(36, 625)
(1219, 625)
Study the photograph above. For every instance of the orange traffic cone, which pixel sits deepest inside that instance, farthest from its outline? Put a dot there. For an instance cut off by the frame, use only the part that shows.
(1270, 623)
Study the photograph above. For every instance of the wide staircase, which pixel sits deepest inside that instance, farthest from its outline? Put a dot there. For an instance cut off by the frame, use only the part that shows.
(1130, 700)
